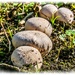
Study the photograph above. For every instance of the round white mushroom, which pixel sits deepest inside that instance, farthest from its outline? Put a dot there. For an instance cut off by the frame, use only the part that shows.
(38, 23)
(65, 15)
(48, 11)
(35, 39)
(25, 55)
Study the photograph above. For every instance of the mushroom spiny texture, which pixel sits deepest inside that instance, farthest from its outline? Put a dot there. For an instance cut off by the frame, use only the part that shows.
(25, 55)
(38, 23)
(35, 39)
(48, 10)
(65, 15)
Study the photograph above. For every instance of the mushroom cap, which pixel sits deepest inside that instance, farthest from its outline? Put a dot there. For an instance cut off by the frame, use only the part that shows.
(65, 15)
(35, 39)
(48, 10)
(38, 23)
(25, 55)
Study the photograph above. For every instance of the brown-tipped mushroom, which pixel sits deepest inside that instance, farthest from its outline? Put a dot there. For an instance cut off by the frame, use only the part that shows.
(37, 23)
(25, 55)
(35, 39)
(48, 10)
(65, 15)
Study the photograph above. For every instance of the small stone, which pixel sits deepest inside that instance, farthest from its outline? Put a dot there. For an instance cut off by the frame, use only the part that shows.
(40, 24)
(26, 57)
(48, 11)
(65, 15)
(36, 39)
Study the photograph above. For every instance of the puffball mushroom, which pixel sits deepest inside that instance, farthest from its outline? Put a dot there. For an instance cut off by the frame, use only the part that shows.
(35, 39)
(38, 23)
(65, 15)
(48, 10)
(25, 55)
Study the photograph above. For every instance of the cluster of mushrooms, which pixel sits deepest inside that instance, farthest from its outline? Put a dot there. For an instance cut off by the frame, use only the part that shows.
(34, 43)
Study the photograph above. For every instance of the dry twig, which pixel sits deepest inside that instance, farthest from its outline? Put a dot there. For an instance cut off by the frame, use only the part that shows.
(4, 65)
(6, 36)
